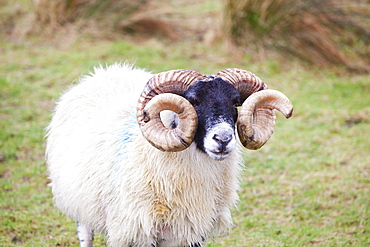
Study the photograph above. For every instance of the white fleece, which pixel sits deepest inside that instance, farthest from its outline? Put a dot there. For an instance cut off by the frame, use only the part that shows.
(105, 175)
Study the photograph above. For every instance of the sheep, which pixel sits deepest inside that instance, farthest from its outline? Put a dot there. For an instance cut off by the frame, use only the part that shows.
(153, 159)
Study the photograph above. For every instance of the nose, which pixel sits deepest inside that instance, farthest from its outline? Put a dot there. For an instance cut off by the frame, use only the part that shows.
(222, 141)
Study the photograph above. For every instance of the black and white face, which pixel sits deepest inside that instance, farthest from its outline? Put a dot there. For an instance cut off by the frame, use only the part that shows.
(215, 102)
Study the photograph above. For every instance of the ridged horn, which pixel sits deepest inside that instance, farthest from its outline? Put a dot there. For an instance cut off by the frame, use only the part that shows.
(244, 81)
(256, 120)
(163, 92)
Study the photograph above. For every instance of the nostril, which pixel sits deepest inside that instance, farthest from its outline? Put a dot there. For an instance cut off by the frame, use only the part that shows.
(216, 138)
(222, 140)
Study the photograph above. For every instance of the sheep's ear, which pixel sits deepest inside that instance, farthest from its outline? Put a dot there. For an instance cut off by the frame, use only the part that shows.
(256, 120)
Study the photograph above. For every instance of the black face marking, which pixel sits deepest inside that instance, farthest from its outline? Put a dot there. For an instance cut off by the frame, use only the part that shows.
(214, 101)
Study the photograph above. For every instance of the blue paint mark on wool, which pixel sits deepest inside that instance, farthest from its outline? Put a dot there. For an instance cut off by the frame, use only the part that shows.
(127, 134)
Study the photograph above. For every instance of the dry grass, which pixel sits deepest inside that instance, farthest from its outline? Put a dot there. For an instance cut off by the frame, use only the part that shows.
(111, 19)
(64, 22)
(322, 32)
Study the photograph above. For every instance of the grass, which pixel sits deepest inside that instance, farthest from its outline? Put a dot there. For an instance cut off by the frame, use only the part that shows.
(308, 186)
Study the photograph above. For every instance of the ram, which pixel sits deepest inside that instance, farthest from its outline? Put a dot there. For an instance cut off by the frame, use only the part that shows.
(154, 160)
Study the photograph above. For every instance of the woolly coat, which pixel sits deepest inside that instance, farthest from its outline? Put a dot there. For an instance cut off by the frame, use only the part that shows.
(106, 175)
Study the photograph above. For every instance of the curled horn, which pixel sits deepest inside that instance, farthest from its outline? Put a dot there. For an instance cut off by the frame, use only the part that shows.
(163, 92)
(256, 120)
(244, 81)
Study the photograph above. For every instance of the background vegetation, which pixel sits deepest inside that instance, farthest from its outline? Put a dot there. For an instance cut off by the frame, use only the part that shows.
(309, 185)
(322, 32)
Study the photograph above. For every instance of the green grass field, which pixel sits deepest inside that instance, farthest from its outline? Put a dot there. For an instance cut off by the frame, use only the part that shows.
(309, 185)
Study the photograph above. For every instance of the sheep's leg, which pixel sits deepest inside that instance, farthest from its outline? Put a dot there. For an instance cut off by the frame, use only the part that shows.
(85, 235)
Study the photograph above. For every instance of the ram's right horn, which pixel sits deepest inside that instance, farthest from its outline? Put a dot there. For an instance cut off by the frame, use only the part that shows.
(164, 92)
(256, 119)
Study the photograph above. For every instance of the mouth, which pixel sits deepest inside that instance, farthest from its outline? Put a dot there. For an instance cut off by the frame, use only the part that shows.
(219, 155)
(222, 153)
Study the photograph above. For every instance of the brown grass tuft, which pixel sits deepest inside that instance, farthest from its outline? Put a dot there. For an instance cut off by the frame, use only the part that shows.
(101, 18)
(323, 32)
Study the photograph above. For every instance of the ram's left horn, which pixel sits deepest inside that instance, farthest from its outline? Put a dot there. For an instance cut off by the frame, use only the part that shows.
(256, 119)
(244, 81)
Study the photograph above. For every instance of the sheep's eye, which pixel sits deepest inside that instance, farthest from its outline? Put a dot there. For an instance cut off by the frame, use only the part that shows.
(237, 103)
